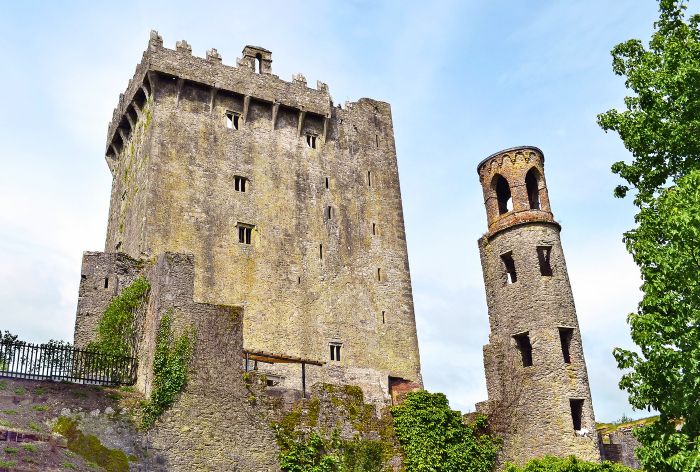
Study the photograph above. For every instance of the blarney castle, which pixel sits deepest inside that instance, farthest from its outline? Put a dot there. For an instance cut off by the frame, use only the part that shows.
(270, 221)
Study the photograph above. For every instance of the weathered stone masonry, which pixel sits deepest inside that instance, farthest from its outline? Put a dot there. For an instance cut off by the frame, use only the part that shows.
(313, 251)
(539, 397)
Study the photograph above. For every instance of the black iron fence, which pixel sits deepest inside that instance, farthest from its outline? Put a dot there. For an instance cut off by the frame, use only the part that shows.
(22, 360)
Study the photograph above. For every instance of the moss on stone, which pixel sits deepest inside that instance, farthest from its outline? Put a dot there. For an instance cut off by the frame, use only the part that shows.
(90, 448)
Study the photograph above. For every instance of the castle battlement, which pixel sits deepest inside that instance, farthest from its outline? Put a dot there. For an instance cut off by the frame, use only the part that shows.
(242, 79)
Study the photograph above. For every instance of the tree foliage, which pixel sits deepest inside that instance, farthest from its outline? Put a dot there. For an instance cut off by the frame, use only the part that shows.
(666, 327)
(570, 464)
(434, 438)
(661, 127)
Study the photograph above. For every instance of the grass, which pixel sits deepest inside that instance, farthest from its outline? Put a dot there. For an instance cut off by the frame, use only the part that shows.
(3, 385)
(10, 412)
(35, 426)
(11, 450)
(67, 465)
(40, 408)
(5, 423)
(40, 390)
(6, 464)
(606, 428)
(20, 391)
(30, 447)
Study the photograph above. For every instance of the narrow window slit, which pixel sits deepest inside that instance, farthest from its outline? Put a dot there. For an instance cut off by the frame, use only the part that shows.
(576, 412)
(383, 317)
(379, 274)
(335, 351)
(320, 250)
(233, 120)
(327, 182)
(245, 233)
(329, 212)
(543, 256)
(239, 183)
(374, 229)
(565, 335)
(106, 282)
(311, 141)
(522, 342)
(369, 178)
(509, 264)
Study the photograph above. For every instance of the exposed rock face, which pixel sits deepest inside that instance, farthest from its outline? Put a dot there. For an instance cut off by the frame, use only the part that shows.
(539, 397)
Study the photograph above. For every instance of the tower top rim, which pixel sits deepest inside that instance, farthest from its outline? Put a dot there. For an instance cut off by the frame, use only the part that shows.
(510, 149)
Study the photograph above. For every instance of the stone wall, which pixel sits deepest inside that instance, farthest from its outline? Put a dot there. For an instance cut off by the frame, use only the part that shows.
(619, 446)
(310, 277)
(534, 386)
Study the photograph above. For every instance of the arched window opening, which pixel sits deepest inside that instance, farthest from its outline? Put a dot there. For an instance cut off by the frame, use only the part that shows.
(258, 63)
(505, 202)
(533, 191)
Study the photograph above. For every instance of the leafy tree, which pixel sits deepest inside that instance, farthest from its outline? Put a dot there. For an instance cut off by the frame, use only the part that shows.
(661, 127)
(570, 464)
(434, 438)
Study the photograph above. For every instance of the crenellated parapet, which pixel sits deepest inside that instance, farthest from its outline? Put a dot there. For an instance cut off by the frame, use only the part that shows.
(515, 190)
(250, 78)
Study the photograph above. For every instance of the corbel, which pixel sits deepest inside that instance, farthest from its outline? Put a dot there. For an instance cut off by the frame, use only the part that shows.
(300, 123)
(212, 97)
(180, 83)
(246, 105)
(275, 110)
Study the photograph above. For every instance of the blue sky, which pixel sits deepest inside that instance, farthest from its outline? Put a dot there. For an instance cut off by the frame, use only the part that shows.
(465, 79)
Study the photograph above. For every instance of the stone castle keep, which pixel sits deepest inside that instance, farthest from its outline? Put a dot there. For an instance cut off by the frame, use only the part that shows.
(271, 221)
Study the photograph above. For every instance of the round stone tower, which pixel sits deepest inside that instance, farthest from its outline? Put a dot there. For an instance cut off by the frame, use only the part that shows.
(539, 398)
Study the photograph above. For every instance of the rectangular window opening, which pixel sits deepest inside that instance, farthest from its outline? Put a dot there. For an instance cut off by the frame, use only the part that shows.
(311, 141)
(374, 229)
(106, 282)
(576, 412)
(239, 183)
(522, 341)
(383, 317)
(329, 212)
(565, 335)
(509, 263)
(543, 256)
(327, 182)
(245, 233)
(320, 250)
(369, 178)
(335, 351)
(233, 120)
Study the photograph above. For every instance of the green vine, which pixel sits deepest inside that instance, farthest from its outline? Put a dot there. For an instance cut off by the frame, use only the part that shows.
(170, 363)
(434, 437)
(115, 332)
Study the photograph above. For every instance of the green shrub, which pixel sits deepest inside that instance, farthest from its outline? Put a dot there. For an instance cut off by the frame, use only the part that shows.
(434, 438)
(314, 454)
(570, 464)
(170, 363)
(115, 331)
